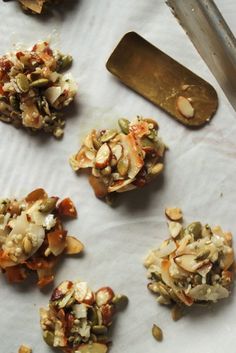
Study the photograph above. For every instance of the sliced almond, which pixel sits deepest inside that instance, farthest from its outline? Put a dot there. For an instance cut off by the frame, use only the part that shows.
(156, 169)
(81, 290)
(73, 246)
(174, 229)
(117, 151)
(174, 213)
(123, 166)
(185, 107)
(104, 296)
(189, 263)
(103, 156)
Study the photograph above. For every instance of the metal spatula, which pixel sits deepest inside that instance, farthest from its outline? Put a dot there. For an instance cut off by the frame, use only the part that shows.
(162, 80)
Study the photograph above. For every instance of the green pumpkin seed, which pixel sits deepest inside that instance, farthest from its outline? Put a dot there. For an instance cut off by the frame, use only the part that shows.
(146, 142)
(92, 316)
(41, 82)
(123, 166)
(195, 228)
(65, 62)
(99, 329)
(22, 83)
(120, 301)
(108, 135)
(15, 104)
(157, 333)
(48, 205)
(124, 125)
(102, 338)
(48, 337)
(176, 313)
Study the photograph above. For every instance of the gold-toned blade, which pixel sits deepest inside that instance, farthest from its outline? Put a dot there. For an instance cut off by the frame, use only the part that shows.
(166, 83)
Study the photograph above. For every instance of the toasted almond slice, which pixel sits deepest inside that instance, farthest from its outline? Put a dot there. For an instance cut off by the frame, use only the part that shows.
(81, 290)
(104, 296)
(123, 166)
(228, 259)
(93, 348)
(174, 229)
(133, 149)
(207, 292)
(73, 246)
(82, 160)
(117, 151)
(174, 213)
(103, 156)
(119, 184)
(185, 107)
(188, 262)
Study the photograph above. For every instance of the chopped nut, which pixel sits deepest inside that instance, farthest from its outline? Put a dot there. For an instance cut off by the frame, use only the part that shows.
(185, 107)
(73, 246)
(174, 213)
(157, 333)
(174, 228)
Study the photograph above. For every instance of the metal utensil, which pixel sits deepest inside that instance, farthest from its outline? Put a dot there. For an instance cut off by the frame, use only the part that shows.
(213, 39)
(162, 80)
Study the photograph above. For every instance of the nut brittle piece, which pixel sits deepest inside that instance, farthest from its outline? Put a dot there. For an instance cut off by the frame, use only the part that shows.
(32, 236)
(121, 160)
(33, 89)
(195, 264)
(78, 319)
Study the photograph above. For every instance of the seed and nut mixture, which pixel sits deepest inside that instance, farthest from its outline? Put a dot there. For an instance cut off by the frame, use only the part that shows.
(32, 236)
(121, 160)
(36, 6)
(194, 265)
(33, 89)
(78, 319)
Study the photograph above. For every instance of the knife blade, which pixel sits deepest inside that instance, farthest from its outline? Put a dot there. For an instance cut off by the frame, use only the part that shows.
(211, 36)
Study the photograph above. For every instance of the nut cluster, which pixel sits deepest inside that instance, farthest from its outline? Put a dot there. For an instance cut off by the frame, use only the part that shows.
(33, 91)
(195, 264)
(78, 319)
(121, 160)
(32, 235)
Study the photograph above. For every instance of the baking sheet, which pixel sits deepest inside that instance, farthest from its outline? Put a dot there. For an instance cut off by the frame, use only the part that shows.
(199, 176)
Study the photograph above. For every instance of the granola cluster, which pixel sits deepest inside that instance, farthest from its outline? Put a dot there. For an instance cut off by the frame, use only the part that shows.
(78, 319)
(32, 236)
(33, 89)
(121, 160)
(195, 264)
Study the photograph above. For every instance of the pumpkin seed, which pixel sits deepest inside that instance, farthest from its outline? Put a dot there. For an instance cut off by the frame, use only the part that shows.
(203, 255)
(48, 337)
(41, 82)
(123, 166)
(108, 135)
(102, 338)
(15, 104)
(65, 62)
(176, 313)
(22, 82)
(92, 315)
(195, 229)
(157, 333)
(48, 205)
(146, 142)
(93, 348)
(99, 329)
(124, 125)
(120, 301)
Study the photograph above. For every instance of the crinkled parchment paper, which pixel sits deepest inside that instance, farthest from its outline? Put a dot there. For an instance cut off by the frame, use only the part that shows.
(199, 176)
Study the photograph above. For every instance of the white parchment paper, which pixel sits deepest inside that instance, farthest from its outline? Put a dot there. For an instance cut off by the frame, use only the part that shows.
(199, 177)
